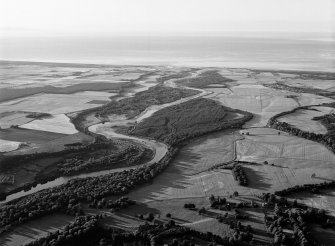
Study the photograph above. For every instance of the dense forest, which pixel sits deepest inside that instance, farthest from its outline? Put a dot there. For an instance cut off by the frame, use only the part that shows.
(133, 106)
(177, 123)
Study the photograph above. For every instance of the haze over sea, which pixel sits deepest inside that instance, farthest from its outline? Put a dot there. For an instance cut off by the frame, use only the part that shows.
(292, 52)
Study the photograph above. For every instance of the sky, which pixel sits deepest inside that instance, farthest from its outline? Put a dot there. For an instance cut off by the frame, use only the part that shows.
(110, 17)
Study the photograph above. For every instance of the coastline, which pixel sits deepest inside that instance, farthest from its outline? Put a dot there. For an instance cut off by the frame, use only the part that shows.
(82, 64)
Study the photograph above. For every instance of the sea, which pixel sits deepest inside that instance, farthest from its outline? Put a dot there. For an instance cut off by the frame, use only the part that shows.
(279, 52)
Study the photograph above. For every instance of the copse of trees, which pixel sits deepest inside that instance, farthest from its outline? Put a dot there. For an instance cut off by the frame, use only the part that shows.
(217, 202)
(176, 124)
(121, 203)
(240, 175)
(189, 205)
(291, 215)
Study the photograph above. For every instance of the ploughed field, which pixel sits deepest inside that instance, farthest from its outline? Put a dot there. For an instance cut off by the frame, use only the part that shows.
(213, 122)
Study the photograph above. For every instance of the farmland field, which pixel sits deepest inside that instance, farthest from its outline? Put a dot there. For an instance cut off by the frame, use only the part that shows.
(56, 123)
(55, 103)
(41, 141)
(175, 137)
(8, 119)
(6, 146)
(183, 177)
(303, 119)
(325, 200)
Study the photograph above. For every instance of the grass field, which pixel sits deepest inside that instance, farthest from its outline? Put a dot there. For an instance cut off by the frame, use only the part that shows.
(261, 101)
(41, 141)
(312, 83)
(8, 119)
(324, 200)
(303, 119)
(190, 177)
(186, 176)
(295, 159)
(248, 93)
(6, 146)
(55, 103)
(57, 123)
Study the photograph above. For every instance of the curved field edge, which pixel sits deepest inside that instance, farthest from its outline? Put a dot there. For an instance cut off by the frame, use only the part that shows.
(327, 139)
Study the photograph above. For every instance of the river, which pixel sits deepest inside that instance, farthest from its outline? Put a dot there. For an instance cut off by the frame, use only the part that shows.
(108, 130)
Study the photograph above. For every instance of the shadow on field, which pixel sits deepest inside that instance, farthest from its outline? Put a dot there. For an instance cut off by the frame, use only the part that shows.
(325, 179)
(175, 177)
(256, 180)
(129, 218)
(34, 229)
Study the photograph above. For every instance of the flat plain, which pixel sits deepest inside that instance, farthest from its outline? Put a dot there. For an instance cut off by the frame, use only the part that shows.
(272, 160)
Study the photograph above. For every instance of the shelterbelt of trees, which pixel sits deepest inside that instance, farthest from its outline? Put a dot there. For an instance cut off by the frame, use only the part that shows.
(193, 118)
(316, 91)
(328, 121)
(281, 217)
(87, 231)
(104, 159)
(66, 198)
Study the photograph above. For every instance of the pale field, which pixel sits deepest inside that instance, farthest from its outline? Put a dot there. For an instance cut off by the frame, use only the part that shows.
(53, 145)
(37, 75)
(6, 146)
(127, 76)
(262, 101)
(30, 231)
(303, 119)
(288, 75)
(57, 123)
(306, 99)
(22, 76)
(312, 83)
(8, 119)
(55, 103)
